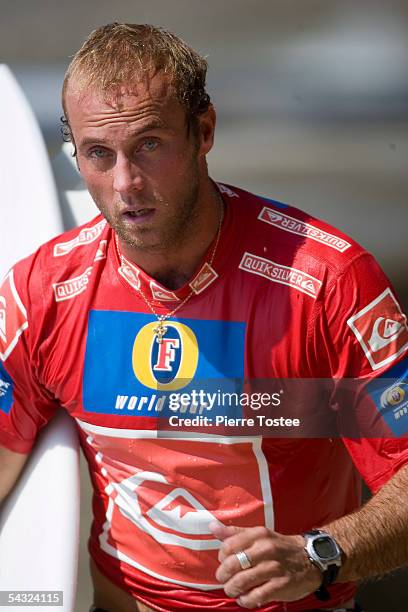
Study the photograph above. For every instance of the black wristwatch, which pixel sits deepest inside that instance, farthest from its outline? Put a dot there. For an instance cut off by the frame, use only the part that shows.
(324, 552)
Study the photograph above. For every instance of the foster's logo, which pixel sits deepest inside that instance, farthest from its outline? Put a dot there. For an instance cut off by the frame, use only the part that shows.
(131, 373)
(170, 364)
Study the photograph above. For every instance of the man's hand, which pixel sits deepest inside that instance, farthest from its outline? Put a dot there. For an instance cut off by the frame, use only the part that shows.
(280, 568)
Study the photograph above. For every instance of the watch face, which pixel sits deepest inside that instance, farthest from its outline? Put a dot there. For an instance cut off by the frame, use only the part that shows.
(324, 547)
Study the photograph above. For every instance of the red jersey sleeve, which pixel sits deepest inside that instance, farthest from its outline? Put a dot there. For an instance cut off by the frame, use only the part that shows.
(366, 340)
(25, 405)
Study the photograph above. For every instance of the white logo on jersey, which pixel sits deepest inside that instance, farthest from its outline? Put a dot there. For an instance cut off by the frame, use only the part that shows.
(129, 273)
(101, 252)
(295, 226)
(203, 278)
(381, 329)
(3, 319)
(279, 273)
(227, 190)
(3, 387)
(164, 484)
(13, 316)
(85, 236)
(158, 293)
(65, 290)
(179, 511)
(309, 286)
(392, 330)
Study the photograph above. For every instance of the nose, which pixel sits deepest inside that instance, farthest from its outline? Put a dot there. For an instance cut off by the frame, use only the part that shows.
(127, 176)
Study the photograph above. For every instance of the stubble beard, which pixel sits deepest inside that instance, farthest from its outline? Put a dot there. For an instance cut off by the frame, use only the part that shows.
(173, 232)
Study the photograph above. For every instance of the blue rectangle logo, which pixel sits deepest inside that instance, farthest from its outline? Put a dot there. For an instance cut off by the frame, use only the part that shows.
(390, 395)
(6, 390)
(128, 372)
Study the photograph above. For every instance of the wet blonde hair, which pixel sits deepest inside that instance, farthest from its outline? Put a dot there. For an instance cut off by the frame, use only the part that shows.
(119, 54)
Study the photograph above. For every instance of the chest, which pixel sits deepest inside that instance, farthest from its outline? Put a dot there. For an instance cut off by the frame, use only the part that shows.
(103, 355)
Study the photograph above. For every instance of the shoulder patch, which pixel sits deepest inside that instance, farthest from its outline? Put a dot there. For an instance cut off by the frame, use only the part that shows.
(301, 228)
(85, 236)
(13, 316)
(381, 329)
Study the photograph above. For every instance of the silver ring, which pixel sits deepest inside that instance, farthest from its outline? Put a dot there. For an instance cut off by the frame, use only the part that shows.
(243, 560)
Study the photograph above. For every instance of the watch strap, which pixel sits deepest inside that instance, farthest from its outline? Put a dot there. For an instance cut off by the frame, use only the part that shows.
(322, 593)
(328, 577)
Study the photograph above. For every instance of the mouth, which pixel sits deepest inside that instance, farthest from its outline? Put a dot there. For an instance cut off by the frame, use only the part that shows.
(140, 215)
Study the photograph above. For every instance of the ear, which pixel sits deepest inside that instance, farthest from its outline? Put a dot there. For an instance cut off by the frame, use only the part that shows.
(74, 153)
(207, 123)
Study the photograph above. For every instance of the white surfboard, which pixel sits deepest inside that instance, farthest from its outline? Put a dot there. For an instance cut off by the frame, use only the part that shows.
(39, 522)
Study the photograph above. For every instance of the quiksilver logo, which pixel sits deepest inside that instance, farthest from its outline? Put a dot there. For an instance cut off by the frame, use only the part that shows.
(203, 279)
(85, 236)
(278, 273)
(390, 332)
(159, 293)
(296, 226)
(381, 329)
(68, 289)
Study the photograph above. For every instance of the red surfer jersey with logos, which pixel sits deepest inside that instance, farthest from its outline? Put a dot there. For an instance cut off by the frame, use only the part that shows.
(286, 297)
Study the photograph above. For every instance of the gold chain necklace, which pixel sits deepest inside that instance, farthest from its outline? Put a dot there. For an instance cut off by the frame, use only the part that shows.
(160, 330)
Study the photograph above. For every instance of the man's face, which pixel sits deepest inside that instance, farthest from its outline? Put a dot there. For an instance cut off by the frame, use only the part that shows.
(142, 165)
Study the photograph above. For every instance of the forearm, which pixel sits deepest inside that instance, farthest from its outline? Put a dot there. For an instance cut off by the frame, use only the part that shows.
(375, 538)
(11, 464)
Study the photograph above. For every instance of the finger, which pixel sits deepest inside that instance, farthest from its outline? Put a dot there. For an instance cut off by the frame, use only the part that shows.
(244, 581)
(242, 541)
(262, 550)
(222, 531)
(262, 594)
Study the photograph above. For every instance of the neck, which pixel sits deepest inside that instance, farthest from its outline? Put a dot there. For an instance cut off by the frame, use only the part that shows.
(172, 268)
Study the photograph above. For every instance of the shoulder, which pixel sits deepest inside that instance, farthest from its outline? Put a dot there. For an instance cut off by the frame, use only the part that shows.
(57, 263)
(66, 253)
(275, 229)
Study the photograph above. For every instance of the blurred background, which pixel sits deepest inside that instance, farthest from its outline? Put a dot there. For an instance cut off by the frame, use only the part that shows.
(312, 102)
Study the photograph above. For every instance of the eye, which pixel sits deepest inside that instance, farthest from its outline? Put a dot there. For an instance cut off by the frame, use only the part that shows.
(150, 144)
(98, 153)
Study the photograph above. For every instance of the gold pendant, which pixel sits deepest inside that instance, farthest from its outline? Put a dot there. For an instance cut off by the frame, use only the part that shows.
(160, 331)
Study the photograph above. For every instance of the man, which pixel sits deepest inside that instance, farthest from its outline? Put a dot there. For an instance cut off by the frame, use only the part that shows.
(190, 281)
